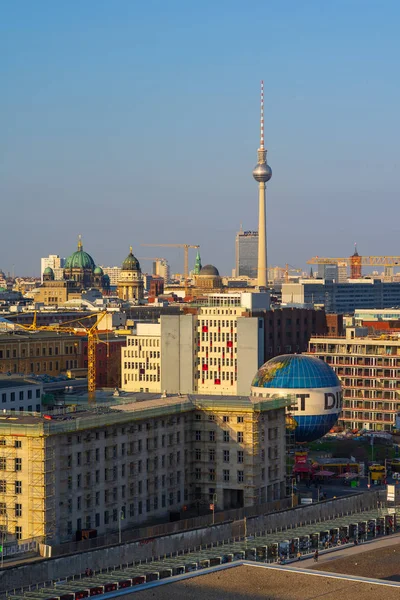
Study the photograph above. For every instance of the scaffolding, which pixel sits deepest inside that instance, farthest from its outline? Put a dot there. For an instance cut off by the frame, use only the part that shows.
(41, 487)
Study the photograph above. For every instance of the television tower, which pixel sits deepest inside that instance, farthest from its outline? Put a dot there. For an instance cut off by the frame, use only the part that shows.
(262, 173)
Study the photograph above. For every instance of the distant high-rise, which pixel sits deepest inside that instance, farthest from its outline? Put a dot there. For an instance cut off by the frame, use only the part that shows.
(246, 254)
(262, 173)
(54, 262)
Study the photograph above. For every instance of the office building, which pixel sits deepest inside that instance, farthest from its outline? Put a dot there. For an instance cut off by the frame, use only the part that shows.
(54, 262)
(342, 297)
(369, 369)
(18, 394)
(246, 254)
(113, 274)
(137, 461)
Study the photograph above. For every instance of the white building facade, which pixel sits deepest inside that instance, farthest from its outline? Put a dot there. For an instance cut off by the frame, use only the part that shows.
(215, 351)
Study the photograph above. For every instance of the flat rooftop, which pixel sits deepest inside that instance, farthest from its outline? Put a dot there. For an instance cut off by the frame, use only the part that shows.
(10, 382)
(128, 408)
(267, 583)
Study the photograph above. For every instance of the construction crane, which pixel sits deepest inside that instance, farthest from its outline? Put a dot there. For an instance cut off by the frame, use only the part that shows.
(186, 257)
(290, 268)
(357, 261)
(92, 336)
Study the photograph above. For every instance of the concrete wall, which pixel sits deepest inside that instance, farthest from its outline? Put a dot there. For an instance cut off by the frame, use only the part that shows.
(186, 354)
(250, 351)
(56, 568)
(177, 347)
(170, 354)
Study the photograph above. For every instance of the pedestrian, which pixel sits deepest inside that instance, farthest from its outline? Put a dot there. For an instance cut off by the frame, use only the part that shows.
(299, 555)
(316, 556)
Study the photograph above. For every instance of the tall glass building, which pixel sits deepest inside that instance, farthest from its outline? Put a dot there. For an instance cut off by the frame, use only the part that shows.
(246, 254)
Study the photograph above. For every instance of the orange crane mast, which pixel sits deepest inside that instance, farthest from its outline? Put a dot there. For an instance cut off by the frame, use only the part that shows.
(92, 336)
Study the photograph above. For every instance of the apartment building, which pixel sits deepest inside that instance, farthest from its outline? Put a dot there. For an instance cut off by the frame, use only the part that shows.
(369, 369)
(136, 462)
(215, 349)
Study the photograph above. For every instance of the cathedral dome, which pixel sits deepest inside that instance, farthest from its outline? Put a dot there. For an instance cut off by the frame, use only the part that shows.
(48, 271)
(98, 271)
(131, 263)
(209, 271)
(80, 259)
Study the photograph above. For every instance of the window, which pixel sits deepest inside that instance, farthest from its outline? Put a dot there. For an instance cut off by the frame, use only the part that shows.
(18, 487)
(97, 498)
(211, 454)
(240, 456)
(79, 502)
(3, 508)
(4, 397)
(198, 435)
(3, 486)
(240, 476)
(12, 396)
(226, 436)
(78, 480)
(21, 395)
(78, 459)
(240, 437)
(29, 394)
(225, 419)
(198, 417)
(18, 464)
(197, 474)
(18, 532)
(226, 455)
(225, 473)
(240, 419)
(106, 517)
(198, 454)
(211, 474)
(3, 463)
(212, 436)
(97, 520)
(38, 393)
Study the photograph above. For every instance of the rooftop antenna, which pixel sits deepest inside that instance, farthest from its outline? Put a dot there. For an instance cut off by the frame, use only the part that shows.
(262, 117)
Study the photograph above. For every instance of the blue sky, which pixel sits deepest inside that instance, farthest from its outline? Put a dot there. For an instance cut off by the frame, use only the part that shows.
(132, 122)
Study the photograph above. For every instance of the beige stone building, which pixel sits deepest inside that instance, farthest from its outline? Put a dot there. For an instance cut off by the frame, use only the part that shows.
(136, 462)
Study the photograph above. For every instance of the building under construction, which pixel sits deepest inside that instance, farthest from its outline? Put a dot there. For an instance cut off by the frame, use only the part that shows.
(91, 470)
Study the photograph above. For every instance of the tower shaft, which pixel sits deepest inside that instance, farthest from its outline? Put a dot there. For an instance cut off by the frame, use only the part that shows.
(262, 278)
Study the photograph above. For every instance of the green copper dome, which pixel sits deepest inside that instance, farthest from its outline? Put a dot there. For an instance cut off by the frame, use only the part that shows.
(48, 271)
(80, 259)
(98, 271)
(131, 263)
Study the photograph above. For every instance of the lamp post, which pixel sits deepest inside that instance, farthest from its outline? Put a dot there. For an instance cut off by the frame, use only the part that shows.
(121, 516)
(3, 539)
(214, 501)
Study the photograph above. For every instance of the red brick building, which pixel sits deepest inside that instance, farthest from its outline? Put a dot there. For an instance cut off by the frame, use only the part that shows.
(108, 360)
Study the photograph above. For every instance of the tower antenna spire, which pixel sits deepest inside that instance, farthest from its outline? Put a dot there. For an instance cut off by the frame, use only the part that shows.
(262, 116)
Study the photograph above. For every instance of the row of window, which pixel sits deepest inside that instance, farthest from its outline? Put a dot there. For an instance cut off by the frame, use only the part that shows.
(115, 515)
(17, 464)
(225, 473)
(21, 395)
(225, 455)
(226, 436)
(17, 509)
(17, 487)
(7, 353)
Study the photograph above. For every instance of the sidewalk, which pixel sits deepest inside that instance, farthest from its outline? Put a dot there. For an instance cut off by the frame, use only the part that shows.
(339, 552)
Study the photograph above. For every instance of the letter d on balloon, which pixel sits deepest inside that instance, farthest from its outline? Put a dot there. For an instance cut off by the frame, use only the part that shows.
(330, 400)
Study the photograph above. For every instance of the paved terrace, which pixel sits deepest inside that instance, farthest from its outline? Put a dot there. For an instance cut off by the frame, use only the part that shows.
(262, 548)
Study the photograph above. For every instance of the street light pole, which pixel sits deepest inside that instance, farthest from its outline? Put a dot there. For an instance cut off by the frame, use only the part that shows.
(3, 538)
(120, 517)
(214, 500)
